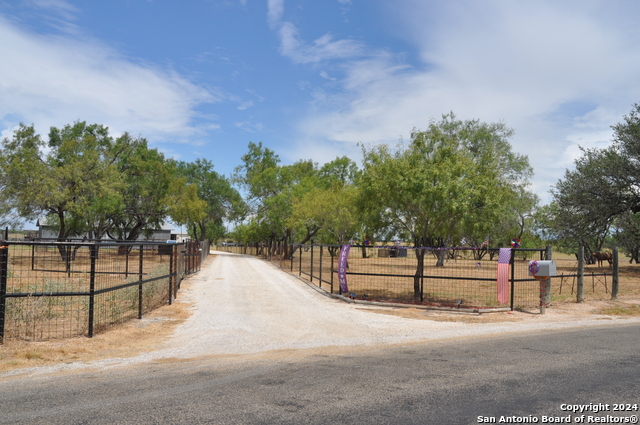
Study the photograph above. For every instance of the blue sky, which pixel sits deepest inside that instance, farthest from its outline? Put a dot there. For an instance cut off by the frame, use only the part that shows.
(313, 78)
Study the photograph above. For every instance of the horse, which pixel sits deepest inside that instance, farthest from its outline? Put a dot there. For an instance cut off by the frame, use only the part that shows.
(602, 256)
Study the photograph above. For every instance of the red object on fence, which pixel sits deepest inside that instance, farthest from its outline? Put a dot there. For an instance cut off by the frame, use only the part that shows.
(504, 258)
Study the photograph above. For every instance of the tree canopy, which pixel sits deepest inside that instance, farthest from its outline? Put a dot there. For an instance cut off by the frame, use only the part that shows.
(222, 201)
(72, 178)
(601, 196)
(86, 183)
(456, 179)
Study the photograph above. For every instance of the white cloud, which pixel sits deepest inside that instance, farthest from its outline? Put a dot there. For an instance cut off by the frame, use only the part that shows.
(275, 10)
(249, 127)
(61, 7)
(321, 49)
(294, 47)
(56, 80)
(245, 105)
(326, 76)
(559, 74)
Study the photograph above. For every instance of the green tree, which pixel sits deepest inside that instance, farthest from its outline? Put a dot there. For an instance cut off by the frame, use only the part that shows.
(149, 184)
(452, 179)
(342, 171)
(271, 190)
(223, 202)
(586, 202)
(72, 178)
(626, 234)
(602, 194)
(327, 201)
(517, 220)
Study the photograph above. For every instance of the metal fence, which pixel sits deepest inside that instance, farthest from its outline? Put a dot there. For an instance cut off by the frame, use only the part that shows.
(392, 274)
(573, 280)
(64, 289)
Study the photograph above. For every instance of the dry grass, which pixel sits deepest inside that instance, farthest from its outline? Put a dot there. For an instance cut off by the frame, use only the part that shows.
(42, 270)
(126, 340)
(421, 314)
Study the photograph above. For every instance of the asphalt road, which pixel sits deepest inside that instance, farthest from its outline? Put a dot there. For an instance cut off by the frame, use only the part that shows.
(530, 376)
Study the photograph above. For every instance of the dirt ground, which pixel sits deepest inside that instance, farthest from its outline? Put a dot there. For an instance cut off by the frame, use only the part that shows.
(141, 336)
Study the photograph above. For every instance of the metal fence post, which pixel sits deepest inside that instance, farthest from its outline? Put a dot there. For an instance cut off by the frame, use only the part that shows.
(423, 252)
(547, 299)
(300, 260)
(68, 260)
(512, 262)
(140, 294)
(4, 266)
(580, 289)
(173, 252)
(332, 265)
(126, 264)
(92, 288)
(320, 272)
(311, 271)
(616, 275)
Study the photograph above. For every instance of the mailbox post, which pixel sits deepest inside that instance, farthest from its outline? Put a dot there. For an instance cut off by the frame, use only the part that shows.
(542, 271)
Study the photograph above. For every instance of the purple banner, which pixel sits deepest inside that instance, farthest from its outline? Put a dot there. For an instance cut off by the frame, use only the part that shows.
(342, 268)
(504, 259)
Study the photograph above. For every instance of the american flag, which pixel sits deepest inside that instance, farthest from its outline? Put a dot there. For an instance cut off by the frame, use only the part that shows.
(504, 258)
(486, 242)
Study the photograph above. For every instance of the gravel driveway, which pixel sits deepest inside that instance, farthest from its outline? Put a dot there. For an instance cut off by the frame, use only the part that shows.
(241, 305)
(244, 305)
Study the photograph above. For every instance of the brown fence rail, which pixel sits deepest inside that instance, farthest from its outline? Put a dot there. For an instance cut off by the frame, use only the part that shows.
(65, 289)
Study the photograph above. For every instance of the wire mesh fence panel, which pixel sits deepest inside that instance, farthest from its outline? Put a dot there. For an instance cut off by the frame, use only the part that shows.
(39, 318)
(278, 253)
(130, 280)
(526, 293)
(452, 277)
(420, 275)
(60, 290)
(328, 267)
(35, 273)
(316, 264)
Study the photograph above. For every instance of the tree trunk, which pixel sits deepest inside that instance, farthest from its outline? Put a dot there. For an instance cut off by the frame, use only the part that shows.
(478, 254)
(635, 253)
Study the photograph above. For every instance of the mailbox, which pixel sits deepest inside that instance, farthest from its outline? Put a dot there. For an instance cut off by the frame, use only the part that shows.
(542, 268)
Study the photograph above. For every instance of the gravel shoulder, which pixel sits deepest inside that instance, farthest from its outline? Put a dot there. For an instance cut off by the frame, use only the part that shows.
(242, 306)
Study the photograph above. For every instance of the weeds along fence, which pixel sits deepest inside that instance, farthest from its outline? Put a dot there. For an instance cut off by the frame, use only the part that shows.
(391, 274)
(64, 289)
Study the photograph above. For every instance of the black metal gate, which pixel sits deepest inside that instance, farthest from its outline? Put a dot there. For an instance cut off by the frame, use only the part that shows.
(193, 255)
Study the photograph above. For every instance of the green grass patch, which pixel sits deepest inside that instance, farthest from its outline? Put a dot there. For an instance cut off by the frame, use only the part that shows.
(621, 310)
